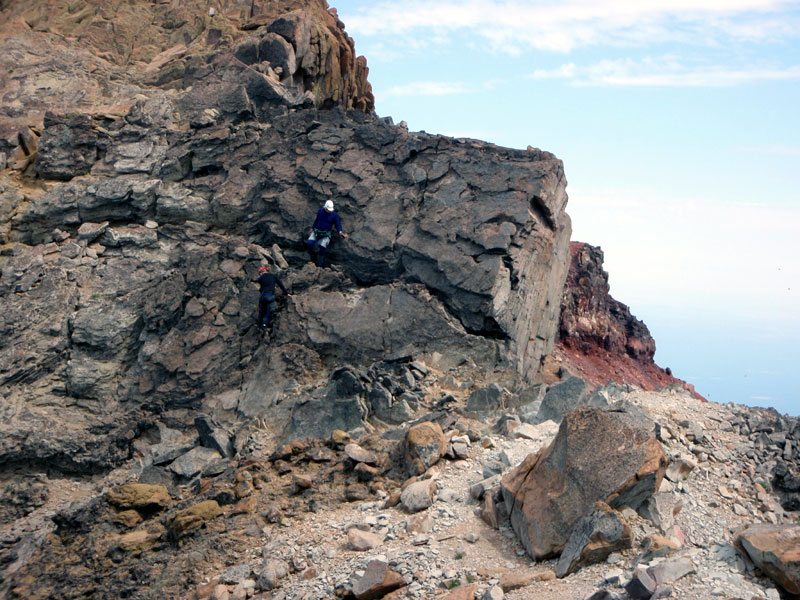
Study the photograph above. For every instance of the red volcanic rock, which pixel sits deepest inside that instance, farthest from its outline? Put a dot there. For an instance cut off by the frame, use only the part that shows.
(599, 339)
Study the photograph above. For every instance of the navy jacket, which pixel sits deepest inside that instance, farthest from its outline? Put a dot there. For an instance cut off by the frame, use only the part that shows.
(326, 220)
(267, 283)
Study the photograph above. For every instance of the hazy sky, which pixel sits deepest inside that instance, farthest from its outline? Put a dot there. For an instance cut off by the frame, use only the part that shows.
(679, 126)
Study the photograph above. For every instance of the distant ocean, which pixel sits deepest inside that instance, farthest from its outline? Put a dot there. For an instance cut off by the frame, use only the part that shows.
(746, 361)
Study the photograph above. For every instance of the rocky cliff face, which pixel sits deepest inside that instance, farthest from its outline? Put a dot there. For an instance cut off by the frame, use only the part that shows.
(598, 338)
(153, 443)
(94, 56)
(133, 232)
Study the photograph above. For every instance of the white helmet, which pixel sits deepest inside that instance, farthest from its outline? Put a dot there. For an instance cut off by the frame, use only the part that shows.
(329, 205)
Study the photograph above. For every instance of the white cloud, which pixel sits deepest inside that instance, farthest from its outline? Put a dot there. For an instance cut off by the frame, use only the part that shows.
(513, 25)
(663, 72)
(425, 88)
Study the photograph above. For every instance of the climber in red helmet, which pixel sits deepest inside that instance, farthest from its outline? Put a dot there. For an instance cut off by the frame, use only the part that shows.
(266, 302)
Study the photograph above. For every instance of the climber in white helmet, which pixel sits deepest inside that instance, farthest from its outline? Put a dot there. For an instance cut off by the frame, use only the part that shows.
(327, 219)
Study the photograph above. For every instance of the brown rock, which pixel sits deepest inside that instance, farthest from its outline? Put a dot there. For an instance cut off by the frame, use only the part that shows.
(421, 523)
(340, 437)
(355, 492)
(245, 506)
(301, 481)
(363, 540)
(204, 590)
(516, 580)
(140, 496)
(463, 592)
(221, 593)
(377, 581)
(364, 472)
(494, 512)
(775, 549)
(596, 455)
(359, 455)
(136, 542)
(128, 518)
(392, 499)
(193, 518)
(424, 446)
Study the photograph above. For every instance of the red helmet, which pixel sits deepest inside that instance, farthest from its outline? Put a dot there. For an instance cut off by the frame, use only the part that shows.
(263, 270)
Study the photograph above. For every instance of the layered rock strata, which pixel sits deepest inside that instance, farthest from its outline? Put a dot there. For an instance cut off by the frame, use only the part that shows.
(133, 239)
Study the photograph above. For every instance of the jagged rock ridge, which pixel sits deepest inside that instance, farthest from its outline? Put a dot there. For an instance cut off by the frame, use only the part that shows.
(598, 338)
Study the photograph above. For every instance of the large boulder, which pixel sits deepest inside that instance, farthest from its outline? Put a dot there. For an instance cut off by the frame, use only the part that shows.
(774, 550)
(598, 455)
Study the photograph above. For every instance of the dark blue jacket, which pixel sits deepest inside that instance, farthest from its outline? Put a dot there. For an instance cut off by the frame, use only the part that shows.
(267, 283)
(326, 220)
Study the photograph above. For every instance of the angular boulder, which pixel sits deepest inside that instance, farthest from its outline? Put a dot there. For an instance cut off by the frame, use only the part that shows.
(775, 549)
(377, 581)
(424, 446)
(598, 455)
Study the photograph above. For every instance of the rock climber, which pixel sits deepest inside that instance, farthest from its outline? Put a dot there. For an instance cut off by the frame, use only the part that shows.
(266, 302)
(322, 229)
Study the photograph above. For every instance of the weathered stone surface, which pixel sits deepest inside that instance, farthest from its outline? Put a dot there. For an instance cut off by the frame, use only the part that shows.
(139, 496)
(493, 593)
(593, 538)
(561, 398)
(774, 549)
(660, 508)
(131, 241)
(359, 455)
(271, 573)
(194, 461)
(213, 436)
(462, 592)
(192, 518)
(136, 542)
(486, 399)
(604, 595)
(68, 146)
(596, 455)
(641, 586)
(377, 581)
(669, 571)
(418, 496)
(363, 540)
(424, 446)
